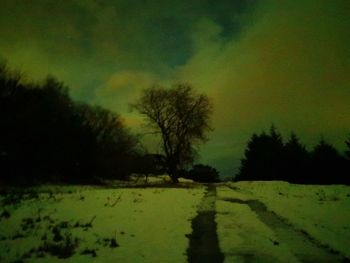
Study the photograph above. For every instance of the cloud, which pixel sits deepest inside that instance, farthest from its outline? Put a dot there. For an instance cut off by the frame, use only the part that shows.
(262, 62)
(122, 88)
(108, 34)
(291, 67)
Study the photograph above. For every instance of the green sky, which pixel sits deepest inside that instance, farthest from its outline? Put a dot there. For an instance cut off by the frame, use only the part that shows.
(262, 62)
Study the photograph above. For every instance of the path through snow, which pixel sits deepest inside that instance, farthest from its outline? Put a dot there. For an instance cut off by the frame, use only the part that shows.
(300, 243)
(204, 245)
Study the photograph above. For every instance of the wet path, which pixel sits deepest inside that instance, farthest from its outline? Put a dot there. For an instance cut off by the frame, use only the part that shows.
(204, 245)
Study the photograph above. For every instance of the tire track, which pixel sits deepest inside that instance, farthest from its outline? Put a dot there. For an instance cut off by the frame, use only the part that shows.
(204, 244)
(301, 244)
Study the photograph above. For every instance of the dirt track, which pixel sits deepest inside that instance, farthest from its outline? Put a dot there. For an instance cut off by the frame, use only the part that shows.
(204, 243)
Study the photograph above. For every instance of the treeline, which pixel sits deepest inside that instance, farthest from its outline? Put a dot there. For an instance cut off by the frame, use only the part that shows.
(267, 157)
(45, 136)
(201, 173)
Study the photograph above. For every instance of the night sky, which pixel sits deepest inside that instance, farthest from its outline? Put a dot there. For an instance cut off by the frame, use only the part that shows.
(262, 62)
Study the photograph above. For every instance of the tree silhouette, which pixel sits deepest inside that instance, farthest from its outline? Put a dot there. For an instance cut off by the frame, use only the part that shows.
(113, 145)
(267, 158)
(263, 157)
(146, 164)
(204, 173)
(296, 160)
(327, 164)
(46, 136)
(181, 117)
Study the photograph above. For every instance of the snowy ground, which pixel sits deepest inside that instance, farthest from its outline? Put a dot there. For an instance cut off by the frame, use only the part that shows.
(277, 221)
(99, 225)
(255, 222)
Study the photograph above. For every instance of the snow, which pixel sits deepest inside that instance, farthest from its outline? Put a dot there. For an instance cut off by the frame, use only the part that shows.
(151, 222)
(150, 225)
(142, 180)
(243, 237)
(321, 212)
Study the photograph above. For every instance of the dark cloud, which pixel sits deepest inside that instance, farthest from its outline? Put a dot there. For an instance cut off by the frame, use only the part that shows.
(262, 62)
(85, 41)
(291, 68)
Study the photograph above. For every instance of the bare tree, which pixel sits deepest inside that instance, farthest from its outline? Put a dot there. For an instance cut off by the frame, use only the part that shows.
(181, 117)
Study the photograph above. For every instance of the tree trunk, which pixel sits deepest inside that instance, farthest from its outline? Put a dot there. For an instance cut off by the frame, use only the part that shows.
(172, 170)
(173, 175)
(174, 179)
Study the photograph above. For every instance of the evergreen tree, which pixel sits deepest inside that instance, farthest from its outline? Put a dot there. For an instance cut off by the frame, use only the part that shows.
(263, 158)
(296, 159)
(267, 158)
(327, 164)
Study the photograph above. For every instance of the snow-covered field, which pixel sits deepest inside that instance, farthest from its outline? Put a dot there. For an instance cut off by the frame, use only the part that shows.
(99, 225)
(256, 222)
(287, 222)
